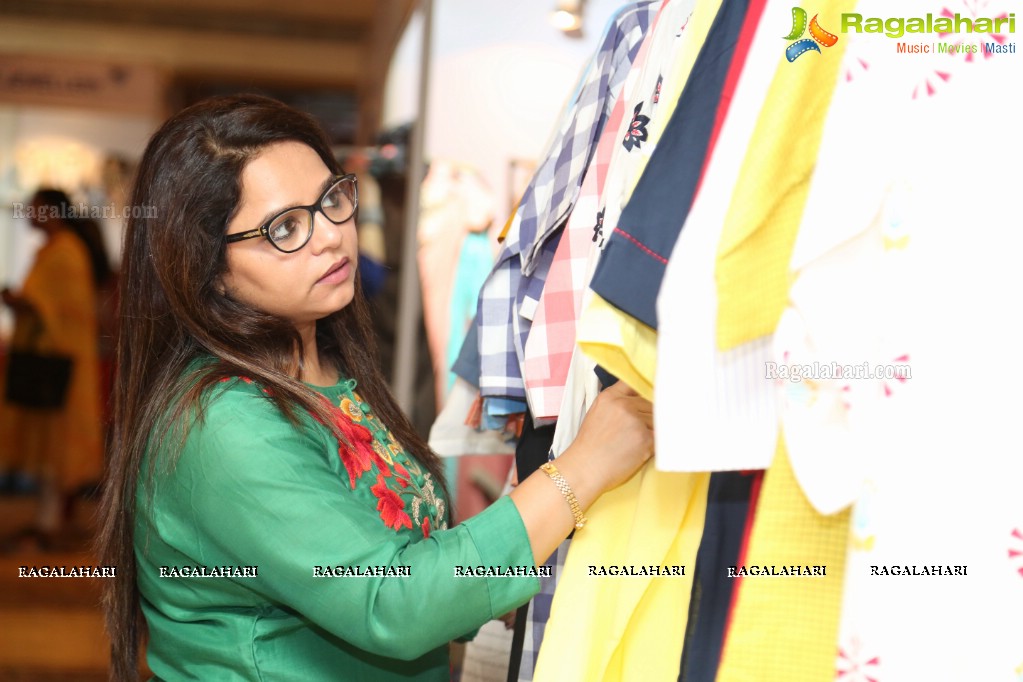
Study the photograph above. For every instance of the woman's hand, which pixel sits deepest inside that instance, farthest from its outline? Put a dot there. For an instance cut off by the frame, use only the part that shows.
(615, 438)
(18, 304)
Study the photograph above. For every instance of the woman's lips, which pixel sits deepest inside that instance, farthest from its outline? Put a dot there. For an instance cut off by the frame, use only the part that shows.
(339, 272)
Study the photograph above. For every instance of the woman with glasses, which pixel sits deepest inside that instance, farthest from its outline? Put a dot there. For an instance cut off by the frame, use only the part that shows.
(271, 513)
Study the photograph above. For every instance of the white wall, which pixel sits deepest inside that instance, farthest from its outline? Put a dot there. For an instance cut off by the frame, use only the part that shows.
(500, 76)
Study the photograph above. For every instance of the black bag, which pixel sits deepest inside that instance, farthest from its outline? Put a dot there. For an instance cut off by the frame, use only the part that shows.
(37, 381)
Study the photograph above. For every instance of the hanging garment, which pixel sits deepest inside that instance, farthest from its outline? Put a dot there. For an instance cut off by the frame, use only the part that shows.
(540, 612)
(612, 335)
(549, 347)
(615, 628)
(672, 33)
(507, 301)
(923, 293)
(754, 251)
(728, 505)
(650, 222)
(453, 257)
(531, 452)
(675, 42)
(713, 411)
(451, 436)
(716, 412)
(628, 350)
(634, 628)
(784, 628)
(474, 263)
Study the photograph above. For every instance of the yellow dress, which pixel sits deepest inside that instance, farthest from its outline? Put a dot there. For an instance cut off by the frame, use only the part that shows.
(64, 445)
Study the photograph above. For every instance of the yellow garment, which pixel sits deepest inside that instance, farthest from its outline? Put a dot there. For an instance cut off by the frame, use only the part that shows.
(627, 628)
(614, 628)
(786, 629)
(782, 629)
(763, 218)
(619, 343)
(66, 445)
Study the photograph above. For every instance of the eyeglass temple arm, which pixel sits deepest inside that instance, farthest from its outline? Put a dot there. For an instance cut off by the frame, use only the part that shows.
(245, 235)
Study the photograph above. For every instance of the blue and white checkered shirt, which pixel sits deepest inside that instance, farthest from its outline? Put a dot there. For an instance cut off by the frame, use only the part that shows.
(512, 291)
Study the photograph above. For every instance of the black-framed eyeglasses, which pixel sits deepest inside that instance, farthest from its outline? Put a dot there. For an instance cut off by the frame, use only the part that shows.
(292, 228)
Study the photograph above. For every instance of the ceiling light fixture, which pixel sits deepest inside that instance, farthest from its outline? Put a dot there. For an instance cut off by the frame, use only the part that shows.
(568, 17)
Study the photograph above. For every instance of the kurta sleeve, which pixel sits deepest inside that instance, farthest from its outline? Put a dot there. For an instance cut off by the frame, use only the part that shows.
(249, 489)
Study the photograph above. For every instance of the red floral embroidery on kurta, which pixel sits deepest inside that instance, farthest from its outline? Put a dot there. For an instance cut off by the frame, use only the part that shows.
(356, 453)
(401, 471)
(426, 527)
(390, 505)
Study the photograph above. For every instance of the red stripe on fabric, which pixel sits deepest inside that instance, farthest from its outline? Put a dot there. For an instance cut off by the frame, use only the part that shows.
(642, 247)
(742, 45)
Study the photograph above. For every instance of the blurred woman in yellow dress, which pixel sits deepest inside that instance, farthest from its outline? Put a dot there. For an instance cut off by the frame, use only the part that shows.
(55, 312)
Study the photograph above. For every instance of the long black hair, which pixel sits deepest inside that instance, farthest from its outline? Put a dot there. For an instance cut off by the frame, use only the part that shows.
(51, 201)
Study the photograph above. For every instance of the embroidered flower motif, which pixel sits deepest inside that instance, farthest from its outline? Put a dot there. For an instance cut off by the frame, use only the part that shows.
(598, 229)
(428, 499)
(357, 454)
(356, 462)
(413, 468)
(683, 26)
(384, 453)
(351, 409)
(637, 134)
(401, 471)
(390, 505)
(399, 479)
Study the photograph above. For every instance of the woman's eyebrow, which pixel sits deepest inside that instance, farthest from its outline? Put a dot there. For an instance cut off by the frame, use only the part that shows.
(273, 213)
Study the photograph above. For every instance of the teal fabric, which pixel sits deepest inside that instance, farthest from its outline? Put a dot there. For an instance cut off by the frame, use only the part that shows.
(475, 261)
(249, 489)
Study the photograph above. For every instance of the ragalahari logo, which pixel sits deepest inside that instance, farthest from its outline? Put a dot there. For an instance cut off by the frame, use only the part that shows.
(817, 36)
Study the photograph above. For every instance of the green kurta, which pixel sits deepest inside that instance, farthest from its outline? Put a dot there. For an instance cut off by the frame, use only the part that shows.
(250, 490)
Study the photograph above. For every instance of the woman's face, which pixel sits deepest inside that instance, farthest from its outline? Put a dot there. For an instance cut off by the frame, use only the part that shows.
(308, 284)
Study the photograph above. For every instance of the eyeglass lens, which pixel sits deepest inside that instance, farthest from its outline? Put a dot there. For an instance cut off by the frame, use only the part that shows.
(292, 229)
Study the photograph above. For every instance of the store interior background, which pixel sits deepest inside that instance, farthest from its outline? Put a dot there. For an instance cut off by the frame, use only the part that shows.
(84, 83)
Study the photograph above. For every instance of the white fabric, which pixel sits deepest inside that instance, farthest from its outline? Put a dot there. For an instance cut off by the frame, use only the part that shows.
(714, 411)
(581, 390)
(451, 437)
(667, 40)
(937, 476)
